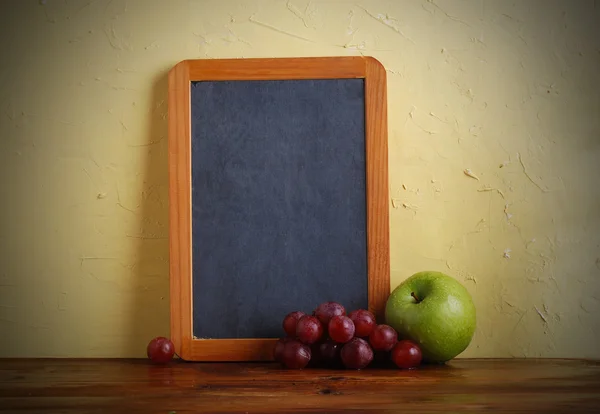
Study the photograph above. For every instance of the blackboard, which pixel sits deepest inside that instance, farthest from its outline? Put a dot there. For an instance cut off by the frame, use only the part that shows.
(278, 197)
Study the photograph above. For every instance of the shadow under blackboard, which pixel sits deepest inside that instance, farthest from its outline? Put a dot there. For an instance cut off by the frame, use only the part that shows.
(150, 305)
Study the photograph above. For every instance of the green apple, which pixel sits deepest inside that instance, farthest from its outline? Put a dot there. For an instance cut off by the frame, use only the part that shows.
(435, 311)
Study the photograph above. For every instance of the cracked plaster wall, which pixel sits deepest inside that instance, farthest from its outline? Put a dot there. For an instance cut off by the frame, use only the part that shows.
(494, 137)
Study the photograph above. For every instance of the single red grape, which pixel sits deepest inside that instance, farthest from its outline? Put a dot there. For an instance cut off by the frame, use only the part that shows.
(364, 322)
(160, 350)
(341, 329)
(308, 329)
(327, 310)
(296, 355)
(406, 354)
(383, 338)
(329, 353)
(290, 321)
(279, 347)
(356, 354)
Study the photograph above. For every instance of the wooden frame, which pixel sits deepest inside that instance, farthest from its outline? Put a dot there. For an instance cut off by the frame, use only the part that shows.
(180, 219)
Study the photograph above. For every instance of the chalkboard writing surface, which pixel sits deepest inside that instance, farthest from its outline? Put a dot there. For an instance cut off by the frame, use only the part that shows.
(278, 202)
(278, 190)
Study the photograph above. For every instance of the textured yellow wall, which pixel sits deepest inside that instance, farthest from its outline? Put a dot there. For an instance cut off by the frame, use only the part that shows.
(507, 90)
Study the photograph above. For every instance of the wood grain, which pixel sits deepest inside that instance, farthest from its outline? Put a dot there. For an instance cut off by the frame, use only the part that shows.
(180, 221)
(252, 349)
(378, 239)
(277, 68)
(181, 75)
(137, 386)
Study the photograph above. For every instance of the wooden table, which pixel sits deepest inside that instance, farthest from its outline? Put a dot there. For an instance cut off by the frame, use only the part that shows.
(137, 386)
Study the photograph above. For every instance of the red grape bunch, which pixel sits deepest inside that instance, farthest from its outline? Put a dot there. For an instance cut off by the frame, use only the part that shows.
(332, 338)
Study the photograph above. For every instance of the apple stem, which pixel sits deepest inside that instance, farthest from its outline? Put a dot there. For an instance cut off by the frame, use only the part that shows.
(415, 296)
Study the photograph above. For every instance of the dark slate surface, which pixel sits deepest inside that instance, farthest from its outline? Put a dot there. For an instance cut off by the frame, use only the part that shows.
(278, 202)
